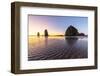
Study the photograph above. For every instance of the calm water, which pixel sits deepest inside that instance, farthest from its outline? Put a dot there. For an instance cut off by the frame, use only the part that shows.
(49, 48)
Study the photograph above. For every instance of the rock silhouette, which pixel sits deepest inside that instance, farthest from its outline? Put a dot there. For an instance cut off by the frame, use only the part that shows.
(38, 34)
(71, 31)
(45, 33)
(81, 34)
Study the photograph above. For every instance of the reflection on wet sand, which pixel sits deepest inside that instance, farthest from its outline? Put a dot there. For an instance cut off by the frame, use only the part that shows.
(71, 40)
(50, 48)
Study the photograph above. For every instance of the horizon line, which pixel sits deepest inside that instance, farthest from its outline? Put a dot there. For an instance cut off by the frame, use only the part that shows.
(53, 35)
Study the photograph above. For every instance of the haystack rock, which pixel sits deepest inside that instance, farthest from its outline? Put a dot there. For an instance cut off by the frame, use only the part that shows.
(71, 31)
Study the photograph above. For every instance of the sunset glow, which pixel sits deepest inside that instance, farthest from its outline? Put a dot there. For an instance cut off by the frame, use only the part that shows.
(56, 25)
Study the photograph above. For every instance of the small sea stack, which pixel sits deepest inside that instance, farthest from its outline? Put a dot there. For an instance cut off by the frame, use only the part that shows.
(46, 33)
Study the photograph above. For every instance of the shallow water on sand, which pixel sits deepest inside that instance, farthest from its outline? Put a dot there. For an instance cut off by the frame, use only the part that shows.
(51, 48)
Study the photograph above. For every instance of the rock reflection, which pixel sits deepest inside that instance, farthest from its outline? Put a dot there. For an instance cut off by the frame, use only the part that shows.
(46, 41)
(71, 40)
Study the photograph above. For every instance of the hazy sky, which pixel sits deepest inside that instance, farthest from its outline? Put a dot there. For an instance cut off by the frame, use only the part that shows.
(56, 24)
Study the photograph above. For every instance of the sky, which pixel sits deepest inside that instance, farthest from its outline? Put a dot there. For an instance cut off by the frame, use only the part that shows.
(56, 25)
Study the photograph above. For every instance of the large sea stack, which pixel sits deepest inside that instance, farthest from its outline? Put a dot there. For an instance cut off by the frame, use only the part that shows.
(71, 31)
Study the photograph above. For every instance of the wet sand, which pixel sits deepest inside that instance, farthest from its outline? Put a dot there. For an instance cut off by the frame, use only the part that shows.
(51, 48)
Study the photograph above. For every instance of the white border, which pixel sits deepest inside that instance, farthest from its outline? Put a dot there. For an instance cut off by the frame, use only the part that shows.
(25, 64)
